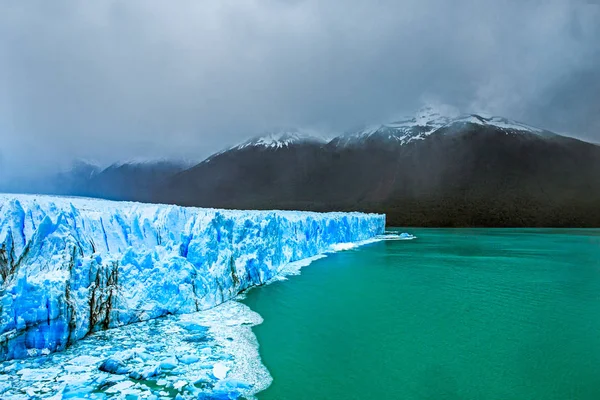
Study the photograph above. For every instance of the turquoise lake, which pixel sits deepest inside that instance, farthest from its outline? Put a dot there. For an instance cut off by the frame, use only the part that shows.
(454, 314)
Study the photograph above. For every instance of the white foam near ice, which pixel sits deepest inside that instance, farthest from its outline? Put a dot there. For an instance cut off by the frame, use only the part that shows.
(294, 268)
(353, 245)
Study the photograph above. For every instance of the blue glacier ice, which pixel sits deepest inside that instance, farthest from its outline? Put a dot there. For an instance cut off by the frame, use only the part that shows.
(73, 266)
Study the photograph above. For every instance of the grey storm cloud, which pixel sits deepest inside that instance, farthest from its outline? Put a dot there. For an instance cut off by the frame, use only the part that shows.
(119, 80)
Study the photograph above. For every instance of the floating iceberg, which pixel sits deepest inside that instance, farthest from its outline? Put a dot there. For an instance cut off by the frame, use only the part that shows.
(72, 266)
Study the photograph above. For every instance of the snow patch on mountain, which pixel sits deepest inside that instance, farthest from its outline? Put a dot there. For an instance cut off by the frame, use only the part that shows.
(498, 122)
(402, 131)
(428, 121)
(282, 139)
(151, 162)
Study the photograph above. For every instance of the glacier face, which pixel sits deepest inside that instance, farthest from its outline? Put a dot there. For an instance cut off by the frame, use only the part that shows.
(72, 266)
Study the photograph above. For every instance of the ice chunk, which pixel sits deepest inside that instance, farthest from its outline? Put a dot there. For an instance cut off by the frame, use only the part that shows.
(179, 384)
(29, 374)
(406, 236)
(232, 384)
(169, 363)
(194, 327)
(189, 359)
(120, 387)
(85, 360)
(220, 371)
(114, 366)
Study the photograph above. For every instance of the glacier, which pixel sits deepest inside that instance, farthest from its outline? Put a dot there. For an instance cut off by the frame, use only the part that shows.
(73, 266)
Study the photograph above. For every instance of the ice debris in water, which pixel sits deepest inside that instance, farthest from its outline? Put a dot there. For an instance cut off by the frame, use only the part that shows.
(151, 360)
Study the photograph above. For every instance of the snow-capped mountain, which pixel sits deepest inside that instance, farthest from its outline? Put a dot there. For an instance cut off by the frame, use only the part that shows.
(402, 131)
(281, 139)
(274, 140)
(425, 122)
(428, 169)
(429, 121)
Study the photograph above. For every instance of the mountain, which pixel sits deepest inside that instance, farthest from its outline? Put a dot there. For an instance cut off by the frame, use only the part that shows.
(281, 139)
(430, 169)
(400, 132)
(134, 180)
(245, 173)
(426, 170)
(131, 180)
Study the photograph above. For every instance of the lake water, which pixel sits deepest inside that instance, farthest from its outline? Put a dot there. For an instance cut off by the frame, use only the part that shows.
(455, 314)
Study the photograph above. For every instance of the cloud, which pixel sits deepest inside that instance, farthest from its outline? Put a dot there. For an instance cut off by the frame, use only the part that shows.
(116, 80)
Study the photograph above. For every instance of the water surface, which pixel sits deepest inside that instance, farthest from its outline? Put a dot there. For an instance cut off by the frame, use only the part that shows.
(455, 314)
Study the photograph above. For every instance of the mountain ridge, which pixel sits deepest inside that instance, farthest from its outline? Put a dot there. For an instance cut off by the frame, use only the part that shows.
(404, 130)
(461, 171)
(426, 170)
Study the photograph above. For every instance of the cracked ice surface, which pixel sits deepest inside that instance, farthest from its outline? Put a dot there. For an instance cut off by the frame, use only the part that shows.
(72, 266)
(208, 354)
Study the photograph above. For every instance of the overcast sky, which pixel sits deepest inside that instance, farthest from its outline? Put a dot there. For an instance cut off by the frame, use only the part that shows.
(119, 80)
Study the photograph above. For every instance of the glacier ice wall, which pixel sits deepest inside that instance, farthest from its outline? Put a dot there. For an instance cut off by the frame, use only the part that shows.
(71, 266)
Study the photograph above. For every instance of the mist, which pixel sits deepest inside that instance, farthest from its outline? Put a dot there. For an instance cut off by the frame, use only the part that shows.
(116, 81)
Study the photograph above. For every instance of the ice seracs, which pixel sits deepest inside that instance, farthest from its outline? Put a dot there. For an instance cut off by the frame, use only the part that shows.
(72, 266)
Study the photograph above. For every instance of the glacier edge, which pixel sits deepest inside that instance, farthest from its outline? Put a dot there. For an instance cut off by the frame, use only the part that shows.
(72, 266)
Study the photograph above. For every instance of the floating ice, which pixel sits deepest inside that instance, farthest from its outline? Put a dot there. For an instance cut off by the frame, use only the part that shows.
(220, 371)
(231, 366)
(402, 236)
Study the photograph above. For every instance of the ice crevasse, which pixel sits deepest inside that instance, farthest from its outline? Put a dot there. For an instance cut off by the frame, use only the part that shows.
(72, 266)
